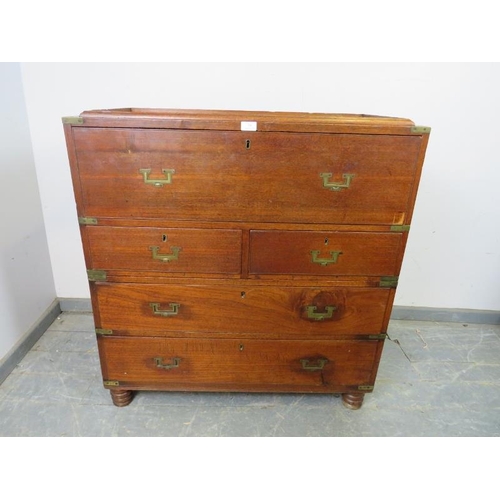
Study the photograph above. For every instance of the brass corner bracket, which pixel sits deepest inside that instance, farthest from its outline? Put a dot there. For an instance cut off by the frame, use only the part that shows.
(388, 281)
(111, 383)
(402, 228)
(103, 331)
(96, 275)
(87, 221)
(420, 130)
(72, 120)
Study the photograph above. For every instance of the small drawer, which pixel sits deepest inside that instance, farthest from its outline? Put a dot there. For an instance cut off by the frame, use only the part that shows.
(324, 253)
(297, 312)
(165, 250)
(212, 364)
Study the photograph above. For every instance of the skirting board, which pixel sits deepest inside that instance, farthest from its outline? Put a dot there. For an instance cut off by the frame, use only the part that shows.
(446, 315)
(28, 340)
(398, 312)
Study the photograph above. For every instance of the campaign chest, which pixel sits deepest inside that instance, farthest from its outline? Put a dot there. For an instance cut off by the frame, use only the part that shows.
(242, 251)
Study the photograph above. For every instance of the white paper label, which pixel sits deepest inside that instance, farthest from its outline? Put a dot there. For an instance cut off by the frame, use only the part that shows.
(249, 126)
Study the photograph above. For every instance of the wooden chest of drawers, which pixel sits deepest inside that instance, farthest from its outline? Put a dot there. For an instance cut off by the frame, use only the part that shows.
(242, 251)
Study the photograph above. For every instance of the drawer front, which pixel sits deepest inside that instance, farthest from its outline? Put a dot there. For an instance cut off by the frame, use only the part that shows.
(258, 176)
(165, 249)
(183, 363)
(264, 310)
(324, 253)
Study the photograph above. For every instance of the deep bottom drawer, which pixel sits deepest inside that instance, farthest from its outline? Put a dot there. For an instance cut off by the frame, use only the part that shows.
(250, 365)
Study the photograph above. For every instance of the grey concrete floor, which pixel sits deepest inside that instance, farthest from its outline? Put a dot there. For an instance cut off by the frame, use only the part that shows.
(435, 379)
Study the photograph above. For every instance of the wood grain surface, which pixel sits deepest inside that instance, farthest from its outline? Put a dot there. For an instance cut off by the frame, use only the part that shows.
(200, 250)
(202, 119)
(238, 364)
(218, 178)
(241, 309)
(289, 252)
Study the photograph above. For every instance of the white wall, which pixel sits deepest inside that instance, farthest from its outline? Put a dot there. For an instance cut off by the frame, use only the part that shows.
(26, 283)
(453, 255)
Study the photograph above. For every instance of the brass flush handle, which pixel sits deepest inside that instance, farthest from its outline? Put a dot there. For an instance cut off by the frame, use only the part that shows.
(167, 172)
(322, 261)
(309, 366)
(165, 257)
(336, 186)
(167, 366)
(320, 316)
(173, 311)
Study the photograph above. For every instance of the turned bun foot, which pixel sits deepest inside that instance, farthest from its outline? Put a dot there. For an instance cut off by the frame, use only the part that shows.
(121, 397)
(353, 400)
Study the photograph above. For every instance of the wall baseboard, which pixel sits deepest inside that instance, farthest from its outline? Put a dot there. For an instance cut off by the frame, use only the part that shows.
(446, 315)
(75, 305)
(398, 312)
(28, 340)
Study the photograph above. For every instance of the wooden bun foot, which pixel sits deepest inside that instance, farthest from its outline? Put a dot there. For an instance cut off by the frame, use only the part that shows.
(353, 400)
(121, 397)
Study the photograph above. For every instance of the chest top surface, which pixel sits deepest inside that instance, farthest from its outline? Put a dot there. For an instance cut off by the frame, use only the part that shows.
(237, 120)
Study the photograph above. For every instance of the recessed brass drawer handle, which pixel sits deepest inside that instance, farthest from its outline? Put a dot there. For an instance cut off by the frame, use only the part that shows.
(167, 366)
(165, 257)
(325, 261)
(167, 172)
(173, 311)
(318, 365)
(320, 316)
(336, 186)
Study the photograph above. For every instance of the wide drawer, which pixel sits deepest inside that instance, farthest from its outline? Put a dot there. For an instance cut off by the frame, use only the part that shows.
(165, 249)
(178, 364)
(324, 253)
(259, 310)
(256, 176)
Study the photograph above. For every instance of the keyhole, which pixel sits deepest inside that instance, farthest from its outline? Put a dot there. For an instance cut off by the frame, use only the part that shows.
(326, 241)
(164, 238)
(247, 143)
(242, 347)
(243, 295)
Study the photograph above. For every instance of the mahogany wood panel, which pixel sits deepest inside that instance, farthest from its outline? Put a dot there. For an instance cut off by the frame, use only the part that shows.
(200, 250)
(242, 225)
(218, 178)
(418, 174)
(238, 364)
(231, 120)
(289, 252)
(253, 280)
(242, 309)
